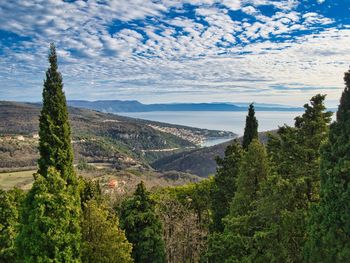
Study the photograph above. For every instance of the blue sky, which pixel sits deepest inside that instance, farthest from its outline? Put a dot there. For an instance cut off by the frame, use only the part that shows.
(275, 51)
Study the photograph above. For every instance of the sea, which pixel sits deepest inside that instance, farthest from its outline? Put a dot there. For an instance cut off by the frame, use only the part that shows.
(233, 121)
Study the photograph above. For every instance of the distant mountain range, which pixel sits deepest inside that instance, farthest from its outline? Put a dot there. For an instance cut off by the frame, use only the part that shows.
(115, 106)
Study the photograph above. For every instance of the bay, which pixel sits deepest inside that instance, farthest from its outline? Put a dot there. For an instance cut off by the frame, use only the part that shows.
(233, 121)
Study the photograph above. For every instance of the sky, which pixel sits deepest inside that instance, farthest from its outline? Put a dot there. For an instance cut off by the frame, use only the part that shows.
(267, 51)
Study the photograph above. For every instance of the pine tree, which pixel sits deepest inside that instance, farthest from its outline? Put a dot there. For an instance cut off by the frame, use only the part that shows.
(329, 226)
(103, 241)
(224, 186)
(143, 227)
(251, 127)
(50, 217)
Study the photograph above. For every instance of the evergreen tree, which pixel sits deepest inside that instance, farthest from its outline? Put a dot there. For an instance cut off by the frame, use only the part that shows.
(143, 227)
(224, 185)
(329, 226)
(50, 217)
(286, 195)
(9, 217)
(89, 190)
(103, 241)
(235, 244)
(54, 130)
(253, 170)
(251, 127)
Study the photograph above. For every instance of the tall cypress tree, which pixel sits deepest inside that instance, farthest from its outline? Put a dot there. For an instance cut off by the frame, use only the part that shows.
(143, 227)
(50, 216)
(329, 227)
(54, 129)
(251, 127)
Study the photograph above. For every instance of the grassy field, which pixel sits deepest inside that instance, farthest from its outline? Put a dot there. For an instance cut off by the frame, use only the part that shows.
(23, 180)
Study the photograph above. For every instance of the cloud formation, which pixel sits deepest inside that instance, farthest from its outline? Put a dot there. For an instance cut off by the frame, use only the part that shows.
(191, 50)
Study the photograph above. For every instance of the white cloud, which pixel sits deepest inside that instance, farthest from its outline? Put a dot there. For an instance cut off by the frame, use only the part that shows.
(211, 55)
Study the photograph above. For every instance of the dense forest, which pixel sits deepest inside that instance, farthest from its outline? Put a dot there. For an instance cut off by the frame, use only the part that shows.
(283, 201)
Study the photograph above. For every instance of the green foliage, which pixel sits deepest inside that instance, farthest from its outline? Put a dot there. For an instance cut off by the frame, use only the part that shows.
(51, 213)
(196, 196)
(9, 216)
(253, 170)
(103, 241)
(54, 129)
(329, 227)
(251, 127)
(236, 244)
(285, 197)
(89, 190)
(143, 227)
(184, 211)
(50, 221)
(224, 186)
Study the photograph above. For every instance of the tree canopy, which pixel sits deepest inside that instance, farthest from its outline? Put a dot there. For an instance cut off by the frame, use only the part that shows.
(329, 227)
(143, 227)
(51, 213)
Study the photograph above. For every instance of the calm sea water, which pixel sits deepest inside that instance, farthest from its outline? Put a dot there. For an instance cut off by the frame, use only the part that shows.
(223, 120)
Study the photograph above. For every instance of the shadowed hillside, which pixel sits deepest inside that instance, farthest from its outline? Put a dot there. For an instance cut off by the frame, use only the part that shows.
(199, 161)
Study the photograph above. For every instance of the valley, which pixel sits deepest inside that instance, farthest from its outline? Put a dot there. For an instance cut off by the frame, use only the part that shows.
(107, 143)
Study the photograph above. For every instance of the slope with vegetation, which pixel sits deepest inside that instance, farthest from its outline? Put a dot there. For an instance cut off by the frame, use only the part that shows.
(97, 137)
(200, 161)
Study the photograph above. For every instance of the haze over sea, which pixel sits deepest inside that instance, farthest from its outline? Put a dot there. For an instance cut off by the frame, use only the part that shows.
(223, 120)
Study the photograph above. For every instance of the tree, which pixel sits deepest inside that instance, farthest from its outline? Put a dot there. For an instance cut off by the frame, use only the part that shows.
(251, 127)
(183, 235)
(9, 216)
(329, 225)
(224, 186)
(103, 241)
(253, 171)
(286, 195)
(143, 227)
(54, 130)
(235, 244)
(51, 213)
(89, 190)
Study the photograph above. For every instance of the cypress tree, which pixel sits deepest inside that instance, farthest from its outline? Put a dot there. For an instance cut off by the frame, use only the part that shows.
(253, 171)
(235, 243)
(50, 216)
(287, 194)
(224, 185)
(329, 226)
(54, 129)
(251, 127)
(143, 227)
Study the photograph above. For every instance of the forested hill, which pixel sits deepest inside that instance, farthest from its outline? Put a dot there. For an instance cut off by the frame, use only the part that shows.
(136, 106)
(200, 162)
(97, 136)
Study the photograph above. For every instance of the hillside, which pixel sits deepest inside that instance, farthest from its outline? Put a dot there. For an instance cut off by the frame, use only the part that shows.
(97, 137)
(200, 162)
